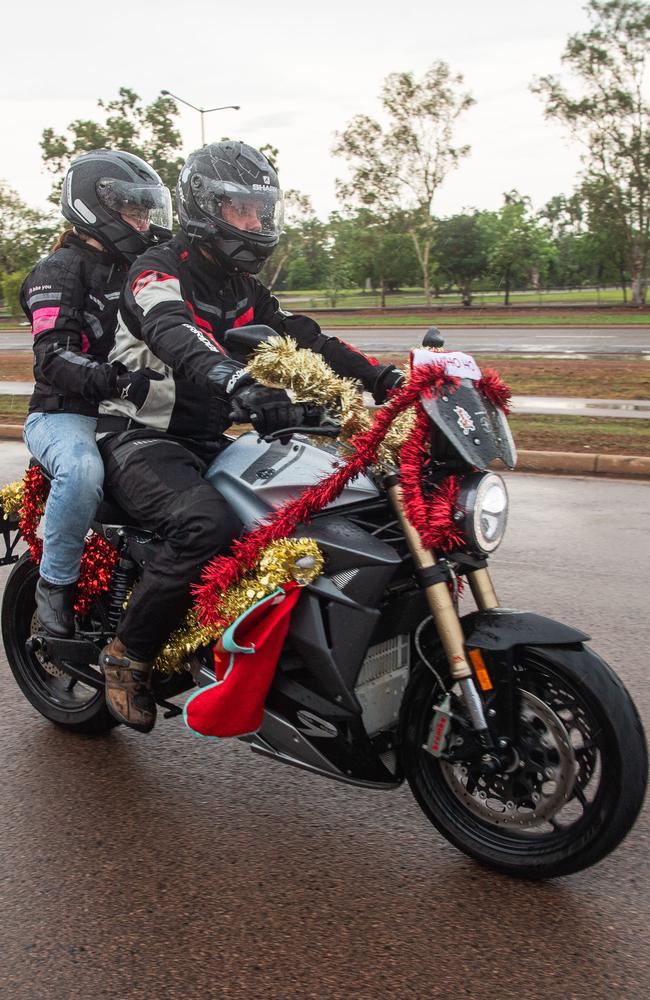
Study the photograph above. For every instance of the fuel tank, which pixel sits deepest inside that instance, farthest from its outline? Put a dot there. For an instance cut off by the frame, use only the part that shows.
(256, 476)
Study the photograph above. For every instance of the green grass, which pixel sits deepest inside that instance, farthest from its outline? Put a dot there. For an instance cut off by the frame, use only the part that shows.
(480, 319)
(353, 297)
(13, 408)
(580, 434)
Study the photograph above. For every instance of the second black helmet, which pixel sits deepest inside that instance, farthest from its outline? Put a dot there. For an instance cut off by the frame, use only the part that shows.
(118, 199)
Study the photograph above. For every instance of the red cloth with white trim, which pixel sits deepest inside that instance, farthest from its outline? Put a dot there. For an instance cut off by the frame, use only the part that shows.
(234, 705)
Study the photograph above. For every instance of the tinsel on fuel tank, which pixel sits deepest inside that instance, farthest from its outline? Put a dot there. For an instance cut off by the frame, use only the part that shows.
(224, 571)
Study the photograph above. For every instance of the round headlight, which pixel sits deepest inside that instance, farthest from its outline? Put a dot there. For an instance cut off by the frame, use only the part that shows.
(482, 510)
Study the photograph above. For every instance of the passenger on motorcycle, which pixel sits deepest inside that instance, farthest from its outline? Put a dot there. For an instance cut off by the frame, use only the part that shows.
(178, 301)
(71, 298)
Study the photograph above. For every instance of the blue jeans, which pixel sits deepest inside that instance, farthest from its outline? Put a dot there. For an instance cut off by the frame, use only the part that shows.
(64, 443)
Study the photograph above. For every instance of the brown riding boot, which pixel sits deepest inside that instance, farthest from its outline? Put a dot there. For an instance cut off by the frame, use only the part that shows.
(128, 693)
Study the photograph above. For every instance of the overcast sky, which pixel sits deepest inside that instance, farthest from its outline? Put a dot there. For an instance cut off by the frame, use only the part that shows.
(300, 71)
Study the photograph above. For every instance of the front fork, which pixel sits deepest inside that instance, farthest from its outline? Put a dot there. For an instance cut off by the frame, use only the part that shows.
(445, 615)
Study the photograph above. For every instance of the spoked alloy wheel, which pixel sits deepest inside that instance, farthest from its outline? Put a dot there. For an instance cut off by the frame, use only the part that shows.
(54, 693)
(569, 790)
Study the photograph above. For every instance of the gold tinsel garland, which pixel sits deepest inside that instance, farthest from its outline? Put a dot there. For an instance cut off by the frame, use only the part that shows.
(11, 498)
(280, 361)
(297, 559)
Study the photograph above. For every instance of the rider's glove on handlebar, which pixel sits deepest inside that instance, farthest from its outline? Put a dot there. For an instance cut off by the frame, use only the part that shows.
(268, 410)
(134, 386)
(388, 378)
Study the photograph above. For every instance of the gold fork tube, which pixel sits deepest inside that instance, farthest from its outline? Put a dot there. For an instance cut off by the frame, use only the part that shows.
(438, 597)
(482, 589)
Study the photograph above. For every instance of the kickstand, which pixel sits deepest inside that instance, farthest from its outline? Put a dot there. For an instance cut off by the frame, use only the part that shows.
(172, 710)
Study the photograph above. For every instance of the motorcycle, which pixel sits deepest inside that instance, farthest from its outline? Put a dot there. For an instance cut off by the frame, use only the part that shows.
(520, 744)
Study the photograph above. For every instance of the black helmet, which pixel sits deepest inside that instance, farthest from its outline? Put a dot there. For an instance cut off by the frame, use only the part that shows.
(228, 199)
(101, 185)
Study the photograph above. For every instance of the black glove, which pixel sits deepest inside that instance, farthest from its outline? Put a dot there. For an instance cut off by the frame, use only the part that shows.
(388, 377)
(134, 386)
(268, 410)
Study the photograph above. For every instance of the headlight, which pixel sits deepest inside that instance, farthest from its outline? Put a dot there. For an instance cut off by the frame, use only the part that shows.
(482, 510)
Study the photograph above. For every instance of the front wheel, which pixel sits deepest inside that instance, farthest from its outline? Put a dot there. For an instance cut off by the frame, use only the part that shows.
(572, 784)
(54, 693)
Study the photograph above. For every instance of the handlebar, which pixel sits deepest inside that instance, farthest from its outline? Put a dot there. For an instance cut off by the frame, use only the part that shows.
(329, 430)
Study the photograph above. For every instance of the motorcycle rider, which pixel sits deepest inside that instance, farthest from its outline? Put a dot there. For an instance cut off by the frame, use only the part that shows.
(178, 301)
(71, 298)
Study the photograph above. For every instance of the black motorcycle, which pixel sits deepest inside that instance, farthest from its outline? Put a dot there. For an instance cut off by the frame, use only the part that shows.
(520, 744)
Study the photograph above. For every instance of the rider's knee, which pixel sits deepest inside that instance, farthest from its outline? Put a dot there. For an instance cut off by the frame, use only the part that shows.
(85, 475)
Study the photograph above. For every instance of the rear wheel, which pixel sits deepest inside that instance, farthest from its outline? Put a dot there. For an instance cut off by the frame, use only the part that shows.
(54, 693)
(571, 786)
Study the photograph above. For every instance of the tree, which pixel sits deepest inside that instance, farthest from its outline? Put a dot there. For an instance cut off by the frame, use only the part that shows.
(517, 243)
(25, 233)
(401, 167)
(146, 130)
(374, 249)
(461, 250)
(296, 238)
(611, 116)
(606, 239)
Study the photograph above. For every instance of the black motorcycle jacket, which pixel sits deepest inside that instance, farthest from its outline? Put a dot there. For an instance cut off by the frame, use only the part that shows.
(71, 299)
(174, 310)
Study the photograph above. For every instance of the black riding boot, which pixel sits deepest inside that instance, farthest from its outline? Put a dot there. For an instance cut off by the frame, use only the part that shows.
(54, 604)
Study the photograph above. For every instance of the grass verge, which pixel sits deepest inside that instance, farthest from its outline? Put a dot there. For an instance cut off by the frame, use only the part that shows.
(531, 431)
(478, 318)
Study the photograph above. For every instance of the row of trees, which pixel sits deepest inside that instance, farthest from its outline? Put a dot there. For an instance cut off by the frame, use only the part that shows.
(386, 231)
(571, 242)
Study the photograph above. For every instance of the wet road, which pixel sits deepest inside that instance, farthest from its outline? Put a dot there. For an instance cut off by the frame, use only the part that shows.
(167, 867)
(495, 340)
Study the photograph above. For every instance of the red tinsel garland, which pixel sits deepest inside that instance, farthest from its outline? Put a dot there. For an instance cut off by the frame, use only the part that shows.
(432, 517)
(495, 390)
(98, 557)
(35, 492)
(223, 571)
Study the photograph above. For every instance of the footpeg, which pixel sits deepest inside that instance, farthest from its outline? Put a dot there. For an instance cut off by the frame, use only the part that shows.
(171, 710)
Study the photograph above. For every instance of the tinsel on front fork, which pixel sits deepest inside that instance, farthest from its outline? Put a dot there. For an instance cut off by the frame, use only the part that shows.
(445, 617)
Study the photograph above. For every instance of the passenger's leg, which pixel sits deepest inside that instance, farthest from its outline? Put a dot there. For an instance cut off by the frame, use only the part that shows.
(64, 443)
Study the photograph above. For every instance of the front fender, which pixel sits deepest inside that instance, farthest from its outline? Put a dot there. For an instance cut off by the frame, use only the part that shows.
(503, 628)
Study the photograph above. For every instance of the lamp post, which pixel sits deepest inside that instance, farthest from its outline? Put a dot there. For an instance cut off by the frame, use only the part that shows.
(202, 111)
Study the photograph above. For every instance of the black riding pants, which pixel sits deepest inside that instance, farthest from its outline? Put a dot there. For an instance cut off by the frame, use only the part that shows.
(159, 482)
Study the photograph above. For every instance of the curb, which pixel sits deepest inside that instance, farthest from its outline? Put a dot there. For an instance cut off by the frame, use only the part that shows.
(578, 464)
(566, 463)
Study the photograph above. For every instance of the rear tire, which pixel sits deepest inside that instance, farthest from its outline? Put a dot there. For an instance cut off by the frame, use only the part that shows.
(69, 704)
(604, 773)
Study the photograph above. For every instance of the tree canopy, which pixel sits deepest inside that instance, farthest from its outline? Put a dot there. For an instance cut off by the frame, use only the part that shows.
(610, 115)
(148, 130)
(401, 166)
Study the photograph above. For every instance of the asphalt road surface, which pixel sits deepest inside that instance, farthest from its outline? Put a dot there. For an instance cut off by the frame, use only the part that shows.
(496, 340)
(164, 866)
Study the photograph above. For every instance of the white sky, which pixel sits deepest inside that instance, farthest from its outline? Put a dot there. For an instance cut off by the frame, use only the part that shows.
(300, 71)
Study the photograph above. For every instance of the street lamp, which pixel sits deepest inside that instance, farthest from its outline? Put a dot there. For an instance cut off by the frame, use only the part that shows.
(202, 111)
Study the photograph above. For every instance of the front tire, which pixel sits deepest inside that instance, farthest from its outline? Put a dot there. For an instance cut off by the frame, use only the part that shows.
(578, 726)
(57, 696)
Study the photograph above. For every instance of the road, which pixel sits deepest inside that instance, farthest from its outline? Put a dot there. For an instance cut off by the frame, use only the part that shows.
(168, 867)
(496, 340)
